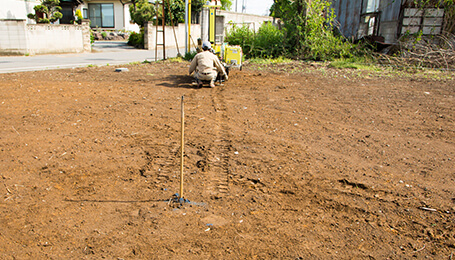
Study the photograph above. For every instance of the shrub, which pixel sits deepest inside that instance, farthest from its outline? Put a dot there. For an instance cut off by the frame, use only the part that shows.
(142, 12)
(189, 55)
(92, 37)
(268, 42)
(78, 16)
(137, 39)
(242, 36)
(320, 43)
(51, 10)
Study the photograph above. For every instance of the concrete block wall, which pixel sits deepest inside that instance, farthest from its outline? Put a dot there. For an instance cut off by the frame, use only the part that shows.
(14, 38)
(19, 38)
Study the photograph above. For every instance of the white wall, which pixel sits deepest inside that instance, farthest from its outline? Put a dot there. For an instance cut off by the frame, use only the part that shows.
(17, 9)
(130, 25)
(254, 21)
(14, 39)
(54, 38)
(150, 36)
(21, 38)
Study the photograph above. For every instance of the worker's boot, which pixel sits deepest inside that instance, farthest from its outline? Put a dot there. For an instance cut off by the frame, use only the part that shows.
(199, 83)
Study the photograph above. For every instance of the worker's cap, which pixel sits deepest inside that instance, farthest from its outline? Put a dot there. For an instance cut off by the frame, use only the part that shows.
(206, 45)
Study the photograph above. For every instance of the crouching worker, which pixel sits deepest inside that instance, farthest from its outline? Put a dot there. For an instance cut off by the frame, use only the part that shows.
(206, 65)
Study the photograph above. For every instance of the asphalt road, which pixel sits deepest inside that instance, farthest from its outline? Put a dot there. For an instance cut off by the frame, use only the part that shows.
(103, 53)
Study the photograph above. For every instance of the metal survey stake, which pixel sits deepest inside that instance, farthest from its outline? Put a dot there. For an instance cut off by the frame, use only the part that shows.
(182, 143)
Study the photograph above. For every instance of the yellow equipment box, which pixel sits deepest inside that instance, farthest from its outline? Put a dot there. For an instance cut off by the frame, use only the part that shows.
(233, 55)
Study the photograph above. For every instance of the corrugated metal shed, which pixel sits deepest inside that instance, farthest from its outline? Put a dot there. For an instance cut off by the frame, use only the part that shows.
(384, 18)
(348, 15)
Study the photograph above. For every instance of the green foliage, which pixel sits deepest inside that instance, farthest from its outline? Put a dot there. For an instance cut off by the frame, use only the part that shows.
(280, 8)
(308, 29)
(361, 63)
(278, 60)
(142, 11)
(92, 37)
(177, 12)
(136, 39)
(176, 59)
(50, 9)
(266, 43)
(79, 16)
(189, 55)
(226, 4)
(243, 36)
(319, 40)
(293, 13)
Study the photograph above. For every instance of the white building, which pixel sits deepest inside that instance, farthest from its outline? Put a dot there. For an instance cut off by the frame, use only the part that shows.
(17, 9)
(103, 14)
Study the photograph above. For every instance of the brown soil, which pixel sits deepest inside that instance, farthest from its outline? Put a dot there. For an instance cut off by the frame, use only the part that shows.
(284, 162)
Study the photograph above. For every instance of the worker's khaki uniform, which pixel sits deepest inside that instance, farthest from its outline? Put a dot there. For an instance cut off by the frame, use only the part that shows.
(206, 65)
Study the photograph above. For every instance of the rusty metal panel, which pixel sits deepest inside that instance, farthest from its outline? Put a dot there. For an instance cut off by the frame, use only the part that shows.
(348, 15)
(390, 10)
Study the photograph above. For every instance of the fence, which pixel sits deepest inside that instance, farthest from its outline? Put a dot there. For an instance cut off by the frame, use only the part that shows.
(19, 38)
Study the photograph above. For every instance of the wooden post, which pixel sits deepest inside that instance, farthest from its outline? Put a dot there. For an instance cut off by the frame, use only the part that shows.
(182, 144)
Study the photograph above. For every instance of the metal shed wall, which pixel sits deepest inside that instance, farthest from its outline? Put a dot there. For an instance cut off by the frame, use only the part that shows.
(389, 20)
(348, 15)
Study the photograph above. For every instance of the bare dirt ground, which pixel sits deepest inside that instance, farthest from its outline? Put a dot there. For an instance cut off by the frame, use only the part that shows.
(282, 162)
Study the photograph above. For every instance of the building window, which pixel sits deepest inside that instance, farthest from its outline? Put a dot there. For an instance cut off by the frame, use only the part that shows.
(101, 15)
(85, 13)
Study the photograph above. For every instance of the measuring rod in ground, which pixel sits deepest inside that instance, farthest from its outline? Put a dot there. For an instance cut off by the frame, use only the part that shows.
(182, 143)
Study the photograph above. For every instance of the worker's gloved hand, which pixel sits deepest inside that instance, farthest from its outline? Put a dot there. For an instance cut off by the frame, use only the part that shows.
(226, 77)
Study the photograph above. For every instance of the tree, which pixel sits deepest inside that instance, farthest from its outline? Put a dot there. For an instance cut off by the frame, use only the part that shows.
(50, 9)
(279, 7)
(308, 26)
(142, 11)
(226, 4)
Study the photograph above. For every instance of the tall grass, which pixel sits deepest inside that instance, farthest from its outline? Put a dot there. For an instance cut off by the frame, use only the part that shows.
(266, 43)
(243, 36)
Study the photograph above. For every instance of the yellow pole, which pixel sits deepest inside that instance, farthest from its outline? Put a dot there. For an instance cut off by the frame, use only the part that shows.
(189, 25)
(182, 143)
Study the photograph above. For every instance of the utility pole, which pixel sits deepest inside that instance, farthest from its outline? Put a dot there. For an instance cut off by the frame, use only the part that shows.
(186, 26)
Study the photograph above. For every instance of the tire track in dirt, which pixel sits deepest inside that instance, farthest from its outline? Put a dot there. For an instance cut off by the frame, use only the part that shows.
(218, 174)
